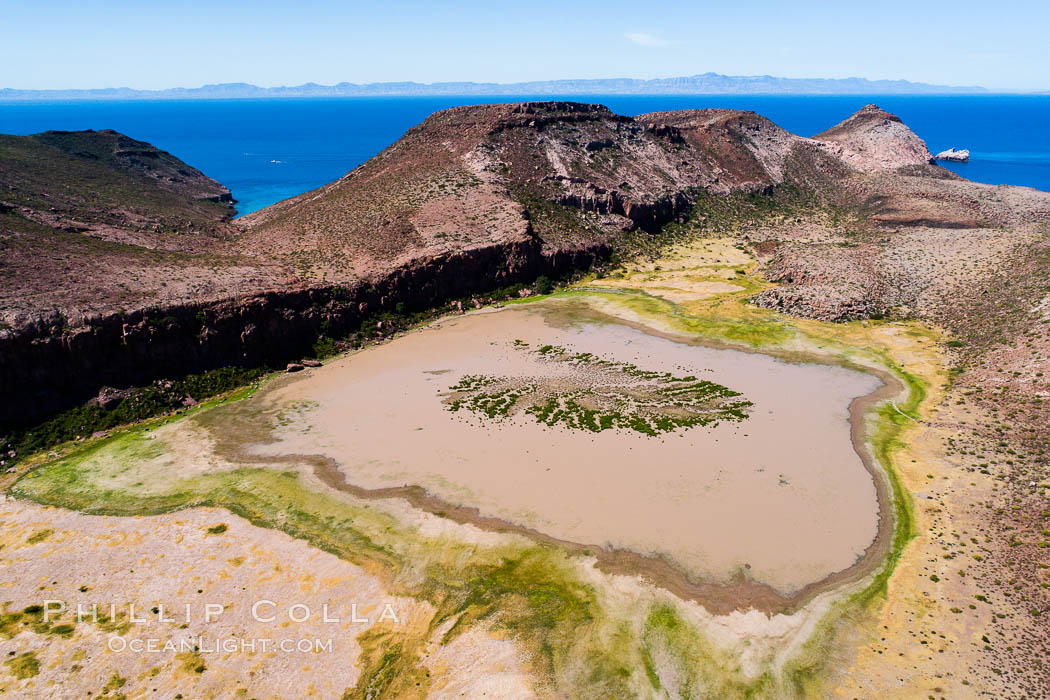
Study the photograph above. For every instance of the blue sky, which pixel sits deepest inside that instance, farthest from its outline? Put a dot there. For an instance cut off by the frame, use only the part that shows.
(153, 44)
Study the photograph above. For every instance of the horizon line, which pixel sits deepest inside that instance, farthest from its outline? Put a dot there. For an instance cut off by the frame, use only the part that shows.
(698, 84)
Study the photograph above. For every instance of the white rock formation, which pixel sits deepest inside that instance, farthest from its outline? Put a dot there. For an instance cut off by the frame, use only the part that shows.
(954, 155)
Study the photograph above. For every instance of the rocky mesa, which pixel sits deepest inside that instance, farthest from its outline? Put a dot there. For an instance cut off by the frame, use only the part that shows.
(122, 264)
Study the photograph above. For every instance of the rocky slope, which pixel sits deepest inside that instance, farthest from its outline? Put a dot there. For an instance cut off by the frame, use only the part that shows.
(118, 266)
(93, 221)
(121, 263)
(558, 175)
(873, 140)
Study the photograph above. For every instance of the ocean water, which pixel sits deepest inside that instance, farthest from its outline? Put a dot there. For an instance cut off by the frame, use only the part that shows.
(268, 150)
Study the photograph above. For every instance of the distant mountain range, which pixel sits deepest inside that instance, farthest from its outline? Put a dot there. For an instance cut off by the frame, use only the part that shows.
(704, 84)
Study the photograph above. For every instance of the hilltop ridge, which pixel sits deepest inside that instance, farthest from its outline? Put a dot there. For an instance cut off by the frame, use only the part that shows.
(94, 221)
(122, 261)
(128, 293)
(556, 175)
(873, 139)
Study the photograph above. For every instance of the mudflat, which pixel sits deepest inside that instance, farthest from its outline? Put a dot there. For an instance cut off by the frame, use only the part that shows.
(779, 494)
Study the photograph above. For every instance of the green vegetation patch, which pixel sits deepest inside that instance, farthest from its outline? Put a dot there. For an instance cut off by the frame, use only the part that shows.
(698, 667)
(596, 394)
(23, 666)
(31, 619)
(134, 405)
(39, 536)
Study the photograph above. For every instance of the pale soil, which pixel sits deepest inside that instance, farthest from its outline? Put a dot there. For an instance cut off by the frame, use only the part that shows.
(172, 560)
(948, 510)
(701, 269)
(674, 287)
(958, 621)
(916, 644)
(475, 665)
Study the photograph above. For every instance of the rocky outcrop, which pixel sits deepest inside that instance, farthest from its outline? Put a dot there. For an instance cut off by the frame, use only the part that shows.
(829, 283)
(953, 155)
(745, 151)
(873, 140)
(647, 215)
(100, 292)
(824, 302)
(49, 365)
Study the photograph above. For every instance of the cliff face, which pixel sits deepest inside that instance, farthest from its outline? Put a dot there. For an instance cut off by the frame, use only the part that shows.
(567, 174)
(122, 263)
(50, 363)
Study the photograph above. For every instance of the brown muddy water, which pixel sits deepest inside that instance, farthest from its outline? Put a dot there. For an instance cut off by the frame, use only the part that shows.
(781, 497)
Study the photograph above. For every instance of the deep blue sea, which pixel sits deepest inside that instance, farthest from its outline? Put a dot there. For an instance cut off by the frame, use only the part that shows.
(267, 150)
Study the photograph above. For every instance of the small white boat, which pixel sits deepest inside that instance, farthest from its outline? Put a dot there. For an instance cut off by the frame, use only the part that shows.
(954, 155)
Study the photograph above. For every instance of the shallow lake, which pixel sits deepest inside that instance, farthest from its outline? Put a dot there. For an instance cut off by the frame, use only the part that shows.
(468, 408)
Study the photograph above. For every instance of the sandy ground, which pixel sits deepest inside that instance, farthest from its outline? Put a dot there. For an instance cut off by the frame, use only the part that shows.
(913, 644)
(942, 631)
(174, 561)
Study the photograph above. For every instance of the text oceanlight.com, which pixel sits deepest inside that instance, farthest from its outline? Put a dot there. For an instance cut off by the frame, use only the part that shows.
(226, 645)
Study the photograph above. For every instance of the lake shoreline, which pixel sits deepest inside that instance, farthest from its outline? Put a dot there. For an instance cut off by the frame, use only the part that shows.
(716, 596)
